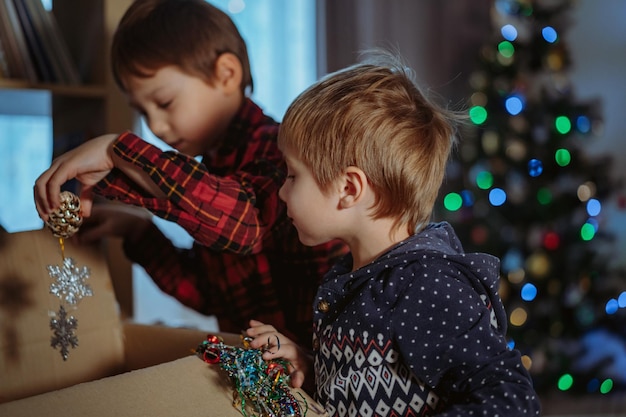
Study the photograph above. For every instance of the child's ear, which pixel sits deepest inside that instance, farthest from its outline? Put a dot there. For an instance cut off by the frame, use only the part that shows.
(354, 186)
(228, 72)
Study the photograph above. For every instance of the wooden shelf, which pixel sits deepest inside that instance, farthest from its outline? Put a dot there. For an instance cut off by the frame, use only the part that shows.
(85, 91)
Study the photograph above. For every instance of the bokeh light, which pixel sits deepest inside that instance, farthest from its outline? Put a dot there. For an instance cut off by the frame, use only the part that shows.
(549, 34)
(587, 231)
(518, 317)
(478, 115)
(606, 386)
(544, 196)
(562, 157)
(611, 306)
(509, 32)
(583, 124)
(506, 49)
(565, 382)
(535, 167)
(484, 180)
(529, 292)
(452, 201)
(497, 197)
(562, 124)
(514, 104)
(593, 207)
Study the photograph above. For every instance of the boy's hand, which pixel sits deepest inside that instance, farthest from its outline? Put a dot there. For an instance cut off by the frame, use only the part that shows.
(88, 163)
(114, 219)
(277, 346)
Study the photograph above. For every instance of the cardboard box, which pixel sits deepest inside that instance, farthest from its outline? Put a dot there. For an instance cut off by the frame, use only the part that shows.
(117, 369)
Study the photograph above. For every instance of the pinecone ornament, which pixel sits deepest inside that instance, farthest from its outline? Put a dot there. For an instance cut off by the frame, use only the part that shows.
(66, 220)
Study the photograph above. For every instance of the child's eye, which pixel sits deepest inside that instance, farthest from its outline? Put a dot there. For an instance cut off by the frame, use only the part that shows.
(291, 177)
(165, 104)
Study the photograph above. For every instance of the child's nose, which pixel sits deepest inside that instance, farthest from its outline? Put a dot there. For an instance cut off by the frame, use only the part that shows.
(158, 126)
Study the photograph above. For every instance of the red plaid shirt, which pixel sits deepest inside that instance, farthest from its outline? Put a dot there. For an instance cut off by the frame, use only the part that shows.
(246, 261)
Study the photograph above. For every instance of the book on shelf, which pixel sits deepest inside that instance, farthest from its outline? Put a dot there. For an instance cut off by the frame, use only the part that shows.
(35, 49)
(47, 72)
(46, 25)
(19, 62)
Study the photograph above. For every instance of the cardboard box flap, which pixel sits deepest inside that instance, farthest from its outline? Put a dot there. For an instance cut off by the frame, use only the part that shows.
(28, 363)
(185, 387)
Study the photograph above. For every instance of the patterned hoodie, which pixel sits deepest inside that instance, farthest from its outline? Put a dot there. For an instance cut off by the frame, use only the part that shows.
(420, 331)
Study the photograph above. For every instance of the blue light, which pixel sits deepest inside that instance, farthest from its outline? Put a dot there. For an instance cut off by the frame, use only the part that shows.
(509, 32)
(621, 300)
(611, 306)
(549, 34)
(467, 197)
(511, 344)
(593, 385)
(514, 105)
(497, 197)
(593, 207)
(529, 292)
(583, 124)
(535, 167)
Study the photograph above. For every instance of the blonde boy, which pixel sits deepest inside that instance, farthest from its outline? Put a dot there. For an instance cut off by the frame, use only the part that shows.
(407, 324)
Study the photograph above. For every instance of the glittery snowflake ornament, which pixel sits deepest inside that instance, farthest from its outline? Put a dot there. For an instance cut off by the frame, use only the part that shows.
(69, 280)
(69, 285)
(63, 328)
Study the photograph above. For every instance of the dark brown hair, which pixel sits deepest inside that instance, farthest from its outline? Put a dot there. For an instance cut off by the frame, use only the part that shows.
(190, 34)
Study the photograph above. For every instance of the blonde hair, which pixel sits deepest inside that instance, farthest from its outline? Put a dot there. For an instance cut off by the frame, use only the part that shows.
(190, 34)
(374, 116)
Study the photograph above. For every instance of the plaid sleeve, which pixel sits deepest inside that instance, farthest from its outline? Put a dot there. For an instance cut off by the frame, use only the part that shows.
(219, 212)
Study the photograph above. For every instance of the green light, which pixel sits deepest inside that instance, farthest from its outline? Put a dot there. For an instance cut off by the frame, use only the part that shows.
(562, 124)
(544, 196)
(453, 201)
(607, 386)
(587, 232)
(478, 115)
(562, 157)
(484, 180)
(565, 382)
(506, 49)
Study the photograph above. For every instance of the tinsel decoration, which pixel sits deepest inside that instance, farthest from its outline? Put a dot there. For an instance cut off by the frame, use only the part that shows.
(260, 388)
(69, 280)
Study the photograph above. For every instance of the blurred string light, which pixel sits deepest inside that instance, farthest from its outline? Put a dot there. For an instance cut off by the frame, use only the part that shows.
(535, 167)
(566, 382)
(478, 114)
(614, 304)
(583, 124)
(563, 124)
(506, 49)
(497, 197)
(562, 157)
(514, 104)
(549, 34)
(509, 32)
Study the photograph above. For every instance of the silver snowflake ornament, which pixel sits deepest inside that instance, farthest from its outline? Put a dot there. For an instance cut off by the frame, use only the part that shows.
(63, 328)
(70, 283)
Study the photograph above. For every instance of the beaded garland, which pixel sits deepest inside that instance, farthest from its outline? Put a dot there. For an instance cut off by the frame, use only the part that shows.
(260, 387)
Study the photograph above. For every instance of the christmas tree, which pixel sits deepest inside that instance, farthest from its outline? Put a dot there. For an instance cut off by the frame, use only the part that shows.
(521, 187)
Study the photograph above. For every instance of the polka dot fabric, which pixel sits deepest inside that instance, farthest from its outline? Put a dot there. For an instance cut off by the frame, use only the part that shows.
(418, 332)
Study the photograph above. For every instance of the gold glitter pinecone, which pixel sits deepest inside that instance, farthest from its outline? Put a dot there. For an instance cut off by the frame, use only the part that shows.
(66, 220)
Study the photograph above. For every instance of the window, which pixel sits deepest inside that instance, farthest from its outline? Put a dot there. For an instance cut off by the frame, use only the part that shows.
(25, 152)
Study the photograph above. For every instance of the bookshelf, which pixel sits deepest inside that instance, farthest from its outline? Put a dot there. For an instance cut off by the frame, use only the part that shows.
(94, 106)
(90, 108)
